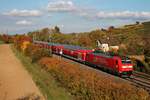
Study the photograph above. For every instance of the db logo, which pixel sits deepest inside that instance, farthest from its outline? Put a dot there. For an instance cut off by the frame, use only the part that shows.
(72, 52)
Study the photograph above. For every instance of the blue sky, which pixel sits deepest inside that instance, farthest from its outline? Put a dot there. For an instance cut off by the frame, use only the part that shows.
(21, 16)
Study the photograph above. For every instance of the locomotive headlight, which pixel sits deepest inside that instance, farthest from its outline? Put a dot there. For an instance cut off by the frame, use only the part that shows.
(124, 66)
(130, 66)
(127, 66)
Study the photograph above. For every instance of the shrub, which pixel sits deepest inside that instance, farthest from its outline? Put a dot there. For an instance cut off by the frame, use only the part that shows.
(19, 41)
(36, 53)
(6, 38)
(86, 84)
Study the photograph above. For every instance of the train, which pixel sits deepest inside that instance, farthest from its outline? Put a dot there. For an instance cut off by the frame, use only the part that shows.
(118, 65)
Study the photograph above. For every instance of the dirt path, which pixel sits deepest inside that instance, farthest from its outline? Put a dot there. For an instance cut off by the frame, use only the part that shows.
(15, 82)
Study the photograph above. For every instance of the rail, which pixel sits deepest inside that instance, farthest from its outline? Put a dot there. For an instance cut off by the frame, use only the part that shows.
(141, 80)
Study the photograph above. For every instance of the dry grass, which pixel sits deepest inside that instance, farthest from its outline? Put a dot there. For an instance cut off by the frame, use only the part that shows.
(30, 97)
(86, 84)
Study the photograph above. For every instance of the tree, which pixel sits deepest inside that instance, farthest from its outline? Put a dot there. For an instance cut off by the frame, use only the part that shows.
(84, 41)
(57, 30)
(41, 35)
(137, 22)
(1, 37)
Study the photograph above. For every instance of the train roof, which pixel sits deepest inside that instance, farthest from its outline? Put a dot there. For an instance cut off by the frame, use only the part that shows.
(101, 53)
(40, 42)
(72, 47)
(69, 46)
(109, 54)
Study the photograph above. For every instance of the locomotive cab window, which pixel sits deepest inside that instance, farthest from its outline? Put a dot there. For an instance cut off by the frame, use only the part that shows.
(126, 60)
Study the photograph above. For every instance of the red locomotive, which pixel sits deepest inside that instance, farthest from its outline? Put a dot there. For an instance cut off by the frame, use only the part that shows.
(120, 65)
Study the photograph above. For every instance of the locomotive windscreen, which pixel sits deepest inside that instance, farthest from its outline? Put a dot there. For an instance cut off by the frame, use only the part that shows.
(126, 60)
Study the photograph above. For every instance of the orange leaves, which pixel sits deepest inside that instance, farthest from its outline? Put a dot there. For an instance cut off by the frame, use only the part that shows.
(86, 84)
(50, 63)
(84, 41)
(36, 53)
(21, 41)
(6, 38)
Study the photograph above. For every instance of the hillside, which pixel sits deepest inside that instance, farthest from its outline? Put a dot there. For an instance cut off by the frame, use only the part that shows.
(132, 39)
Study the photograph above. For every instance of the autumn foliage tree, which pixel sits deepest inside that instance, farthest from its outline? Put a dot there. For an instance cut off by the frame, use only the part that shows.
(84, 41)
(1, 38)
(20, 39)
(36, 53)
(7, 38)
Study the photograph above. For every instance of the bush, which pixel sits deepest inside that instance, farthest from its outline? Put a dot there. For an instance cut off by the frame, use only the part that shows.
(36, 53)
(86, 84)
(19, 41)
(1, 39)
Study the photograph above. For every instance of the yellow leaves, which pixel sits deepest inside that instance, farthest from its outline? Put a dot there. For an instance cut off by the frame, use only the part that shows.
(24, 45)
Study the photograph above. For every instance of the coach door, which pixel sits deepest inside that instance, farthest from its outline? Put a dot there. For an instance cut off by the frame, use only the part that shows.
(79, 56)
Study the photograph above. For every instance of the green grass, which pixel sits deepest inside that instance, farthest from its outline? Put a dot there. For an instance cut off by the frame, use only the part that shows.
(1, 42)
(46, 83)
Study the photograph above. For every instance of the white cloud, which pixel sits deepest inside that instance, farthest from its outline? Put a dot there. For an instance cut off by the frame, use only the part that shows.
(61, 5)
(23, 13)
(23, 22)
(123, 15)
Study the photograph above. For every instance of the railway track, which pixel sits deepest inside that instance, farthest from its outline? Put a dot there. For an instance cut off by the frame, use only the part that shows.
(142, 75)
(140, 80)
